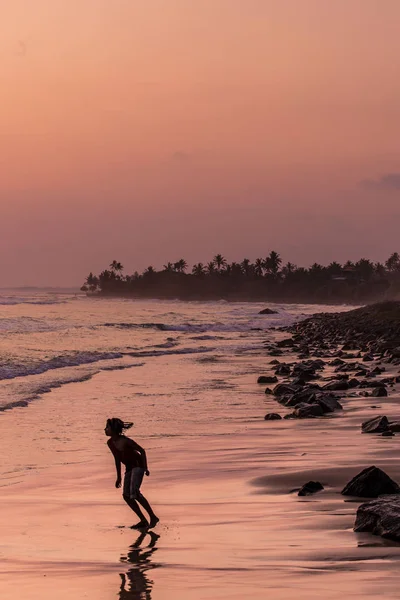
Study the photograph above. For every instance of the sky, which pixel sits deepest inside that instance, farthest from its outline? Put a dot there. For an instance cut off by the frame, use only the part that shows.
(147, 131)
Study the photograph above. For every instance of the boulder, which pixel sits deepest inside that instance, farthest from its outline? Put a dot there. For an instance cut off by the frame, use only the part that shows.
(272, 417)
(328, 402)
(267, 379)
(284, 388)
(375, 425)
(311, 487)
(380, 517)
(282, 369)
(353, 383)
(286, 343)
(268, 311)
(268, 391)
(336, 386)
(379, 392)
(368, 358)
(305, 411)
(394, 426)
(371, 483)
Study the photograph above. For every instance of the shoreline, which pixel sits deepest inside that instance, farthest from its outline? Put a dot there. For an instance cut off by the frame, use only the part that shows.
(231, 524)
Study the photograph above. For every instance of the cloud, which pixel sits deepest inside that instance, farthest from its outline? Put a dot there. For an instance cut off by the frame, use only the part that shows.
(389, 181)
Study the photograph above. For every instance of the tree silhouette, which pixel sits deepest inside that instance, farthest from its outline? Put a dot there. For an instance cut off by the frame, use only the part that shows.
(181, 265)
(116, 266)
(219, 261)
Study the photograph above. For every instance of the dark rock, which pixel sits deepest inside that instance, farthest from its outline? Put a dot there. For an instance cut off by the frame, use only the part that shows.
(387, 434)
(353, 383)
(304, 411)
(284, 388)
(380, 517)
(368, 358)
(337, 362)
(350, 345)
(275, 352)
(375, 425)
(328, 402)
(379, 392)
(394, 426)
(311, 487)
(268, 391)
(267, 379)
(370, 483)
(287, 343)
(272, 417)
(335, 386)
(282, 369)
(268, 311)
(275, 362)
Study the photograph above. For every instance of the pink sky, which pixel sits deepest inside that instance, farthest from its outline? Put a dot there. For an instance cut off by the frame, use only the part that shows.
(147, 131)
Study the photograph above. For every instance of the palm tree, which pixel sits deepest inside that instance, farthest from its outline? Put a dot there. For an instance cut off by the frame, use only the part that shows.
(288, 269)
(272, 263)
(149, 271)
(246, 266)
(198, 270)
(180, 265)
(210, 268)
(169, 267)
(259, 267)
(219, 261)
(380, 269)
(116, 266)
(393, 262)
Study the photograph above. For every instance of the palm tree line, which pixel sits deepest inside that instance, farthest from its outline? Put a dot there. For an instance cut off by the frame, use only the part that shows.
(261, 278)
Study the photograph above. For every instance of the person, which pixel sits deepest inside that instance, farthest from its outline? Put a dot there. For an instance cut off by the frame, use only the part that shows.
(133, 456)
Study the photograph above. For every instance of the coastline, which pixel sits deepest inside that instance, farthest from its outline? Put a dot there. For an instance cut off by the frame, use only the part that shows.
(231, 524)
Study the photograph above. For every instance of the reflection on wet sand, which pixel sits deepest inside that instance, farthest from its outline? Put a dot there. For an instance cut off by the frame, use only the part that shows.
(135, 585)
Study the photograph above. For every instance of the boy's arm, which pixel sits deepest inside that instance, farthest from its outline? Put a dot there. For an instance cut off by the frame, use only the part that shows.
(117, 464)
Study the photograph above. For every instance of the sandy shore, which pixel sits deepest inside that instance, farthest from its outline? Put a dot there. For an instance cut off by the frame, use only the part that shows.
(231, 526)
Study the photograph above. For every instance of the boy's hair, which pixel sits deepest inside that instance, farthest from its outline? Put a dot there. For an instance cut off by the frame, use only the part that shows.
(118, 426)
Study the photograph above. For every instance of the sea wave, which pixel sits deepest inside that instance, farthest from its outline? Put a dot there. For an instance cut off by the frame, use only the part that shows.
(186, 327)
(15, 300)
(11, 369)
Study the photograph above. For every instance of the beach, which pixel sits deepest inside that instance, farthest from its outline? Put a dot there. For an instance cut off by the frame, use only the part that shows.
(222, 479)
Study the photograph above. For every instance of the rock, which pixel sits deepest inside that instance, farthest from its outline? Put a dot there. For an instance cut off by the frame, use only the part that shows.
(338, 362)
(379, 392)
(387, 434)
(368, 358)
(284, 388)
(268, 391)
(375, 425)
(350, 345)
(394, 426)
(304, 411)
(312, 487)
(268, 311)
(267, 379)
(371, 483)
(380, 517)
(335, 386)
(275, 352)
(275, 362)
(287, 343)
(282, 369)
(353, 383)
(328, 402)
(272, 417)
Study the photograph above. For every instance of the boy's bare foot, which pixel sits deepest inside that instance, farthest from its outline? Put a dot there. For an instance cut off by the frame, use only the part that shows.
(153, 522)
(140, 525)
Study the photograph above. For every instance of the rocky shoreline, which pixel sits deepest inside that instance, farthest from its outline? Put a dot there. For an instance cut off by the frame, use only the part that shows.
(334, 356)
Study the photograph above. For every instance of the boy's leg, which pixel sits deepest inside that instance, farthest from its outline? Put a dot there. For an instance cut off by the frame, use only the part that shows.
(135, 507)
(153, 517)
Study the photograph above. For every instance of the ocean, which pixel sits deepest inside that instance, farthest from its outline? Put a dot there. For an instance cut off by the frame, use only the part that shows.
(222, 478)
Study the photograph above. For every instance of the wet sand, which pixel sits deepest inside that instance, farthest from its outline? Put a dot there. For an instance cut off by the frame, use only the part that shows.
(231, 525)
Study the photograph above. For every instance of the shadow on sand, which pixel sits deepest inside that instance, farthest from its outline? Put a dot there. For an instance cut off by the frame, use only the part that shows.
(135, 585)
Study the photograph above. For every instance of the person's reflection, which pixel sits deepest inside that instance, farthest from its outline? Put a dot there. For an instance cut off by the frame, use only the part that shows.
(135, 585)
